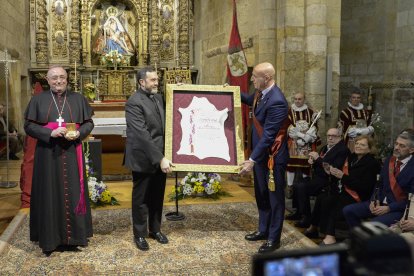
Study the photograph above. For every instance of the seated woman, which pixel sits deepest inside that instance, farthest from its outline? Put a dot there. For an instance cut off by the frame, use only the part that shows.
(356, 182)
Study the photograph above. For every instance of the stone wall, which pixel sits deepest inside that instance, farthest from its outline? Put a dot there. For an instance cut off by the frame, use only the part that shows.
(299, 37)
(14, 36)
(377, 51)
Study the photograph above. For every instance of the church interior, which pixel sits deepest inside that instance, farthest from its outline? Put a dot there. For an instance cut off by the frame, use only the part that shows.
(321, 48)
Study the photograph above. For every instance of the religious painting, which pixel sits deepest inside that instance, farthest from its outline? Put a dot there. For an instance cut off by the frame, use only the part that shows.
(114, 34)
(203, 128)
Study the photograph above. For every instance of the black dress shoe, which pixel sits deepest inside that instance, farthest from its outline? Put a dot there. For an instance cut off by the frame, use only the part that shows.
(47, 252)
(256, 236)
(141, 243)
(311, 234)
(303, 223)
(294, 216)
(160, 237)
(269, 246)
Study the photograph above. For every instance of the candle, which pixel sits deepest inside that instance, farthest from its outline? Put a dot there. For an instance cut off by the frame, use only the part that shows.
(97, 84)
(75, 77)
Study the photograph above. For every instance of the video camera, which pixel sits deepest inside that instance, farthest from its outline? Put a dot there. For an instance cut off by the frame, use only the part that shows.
(372, 250)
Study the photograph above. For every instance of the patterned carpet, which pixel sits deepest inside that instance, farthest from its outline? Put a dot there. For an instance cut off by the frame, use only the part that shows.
(210, 241)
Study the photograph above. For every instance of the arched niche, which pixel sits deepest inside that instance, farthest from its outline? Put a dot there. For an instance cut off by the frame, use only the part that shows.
(115, 25)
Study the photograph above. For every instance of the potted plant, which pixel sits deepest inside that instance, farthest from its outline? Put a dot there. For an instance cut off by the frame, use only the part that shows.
(89, 91)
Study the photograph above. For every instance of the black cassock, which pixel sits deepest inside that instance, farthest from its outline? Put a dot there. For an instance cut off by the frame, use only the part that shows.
(56, 183)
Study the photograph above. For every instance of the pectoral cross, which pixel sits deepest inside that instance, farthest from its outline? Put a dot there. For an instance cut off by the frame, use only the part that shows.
(60, 120)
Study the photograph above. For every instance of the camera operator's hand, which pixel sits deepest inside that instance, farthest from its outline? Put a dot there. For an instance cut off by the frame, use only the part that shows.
(407, 225)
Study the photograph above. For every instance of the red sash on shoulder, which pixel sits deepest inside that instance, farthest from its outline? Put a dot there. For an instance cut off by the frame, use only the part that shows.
(399, 194)
(345, 170)
(81, 207)
(280, 137)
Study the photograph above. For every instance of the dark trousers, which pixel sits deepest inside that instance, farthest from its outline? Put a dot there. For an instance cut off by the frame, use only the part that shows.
(271, 205)
(303, 190)
(328, 211)
(355, 213)
(147, 202)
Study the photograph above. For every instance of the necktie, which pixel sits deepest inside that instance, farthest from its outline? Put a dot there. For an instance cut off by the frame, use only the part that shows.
(258, 98)
(397, 168)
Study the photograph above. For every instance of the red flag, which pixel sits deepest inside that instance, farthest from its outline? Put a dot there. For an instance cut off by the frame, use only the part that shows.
(237, 72)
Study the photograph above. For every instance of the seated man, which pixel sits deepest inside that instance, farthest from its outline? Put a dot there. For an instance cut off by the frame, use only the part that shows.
(15, 144)
(333, 154)
(396, 180)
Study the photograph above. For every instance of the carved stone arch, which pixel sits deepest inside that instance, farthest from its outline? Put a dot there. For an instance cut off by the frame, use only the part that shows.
(139, 9)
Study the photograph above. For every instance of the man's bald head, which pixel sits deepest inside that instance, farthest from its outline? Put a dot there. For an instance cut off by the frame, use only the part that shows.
(266, 68)
(263, 75)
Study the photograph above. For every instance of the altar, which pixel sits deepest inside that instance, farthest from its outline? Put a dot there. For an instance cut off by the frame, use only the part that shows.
(110, 125)
(105, 42)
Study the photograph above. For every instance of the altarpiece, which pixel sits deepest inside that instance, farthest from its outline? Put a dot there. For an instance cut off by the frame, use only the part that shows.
(104, 42)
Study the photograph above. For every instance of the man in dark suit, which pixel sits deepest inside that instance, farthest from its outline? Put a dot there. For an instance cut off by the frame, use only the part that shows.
(332, 154)
(144, 155)
(270, 110)
(396, 181)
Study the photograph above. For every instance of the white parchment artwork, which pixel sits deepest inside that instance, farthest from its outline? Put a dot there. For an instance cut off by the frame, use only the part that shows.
(202, 127)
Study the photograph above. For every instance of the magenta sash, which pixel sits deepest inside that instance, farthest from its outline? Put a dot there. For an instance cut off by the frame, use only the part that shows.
(81, 207)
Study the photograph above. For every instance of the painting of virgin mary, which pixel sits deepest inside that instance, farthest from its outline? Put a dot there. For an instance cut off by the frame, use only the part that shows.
(116, 38)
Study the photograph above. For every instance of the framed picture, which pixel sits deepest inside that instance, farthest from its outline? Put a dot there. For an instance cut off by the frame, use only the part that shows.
(204, 128)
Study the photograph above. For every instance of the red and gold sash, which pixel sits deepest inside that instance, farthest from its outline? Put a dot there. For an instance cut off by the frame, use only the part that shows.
(352, 193)
(274, 149)
(280, 137)
(399, 194)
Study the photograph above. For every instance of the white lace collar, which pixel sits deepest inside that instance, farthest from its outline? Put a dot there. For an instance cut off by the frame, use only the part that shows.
(359, 107)
(299, 109)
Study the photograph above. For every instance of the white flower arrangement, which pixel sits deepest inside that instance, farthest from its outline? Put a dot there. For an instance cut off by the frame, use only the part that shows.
(114, 58)
(199, 184)
(98, 191)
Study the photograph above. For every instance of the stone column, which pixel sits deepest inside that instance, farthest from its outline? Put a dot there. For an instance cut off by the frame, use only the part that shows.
(306, 40)
(290, 46)
(267, 32)
(316, 44)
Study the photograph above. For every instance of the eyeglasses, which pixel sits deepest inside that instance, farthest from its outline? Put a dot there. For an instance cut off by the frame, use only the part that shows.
(332, 136)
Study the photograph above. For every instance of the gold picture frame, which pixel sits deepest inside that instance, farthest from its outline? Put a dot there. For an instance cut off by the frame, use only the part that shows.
(222, 98)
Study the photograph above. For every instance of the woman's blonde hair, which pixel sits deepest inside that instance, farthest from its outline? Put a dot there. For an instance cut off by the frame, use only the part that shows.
(371, 143)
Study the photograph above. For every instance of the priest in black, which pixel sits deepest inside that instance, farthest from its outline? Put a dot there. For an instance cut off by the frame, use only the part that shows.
(60, 216)
(144, 155)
